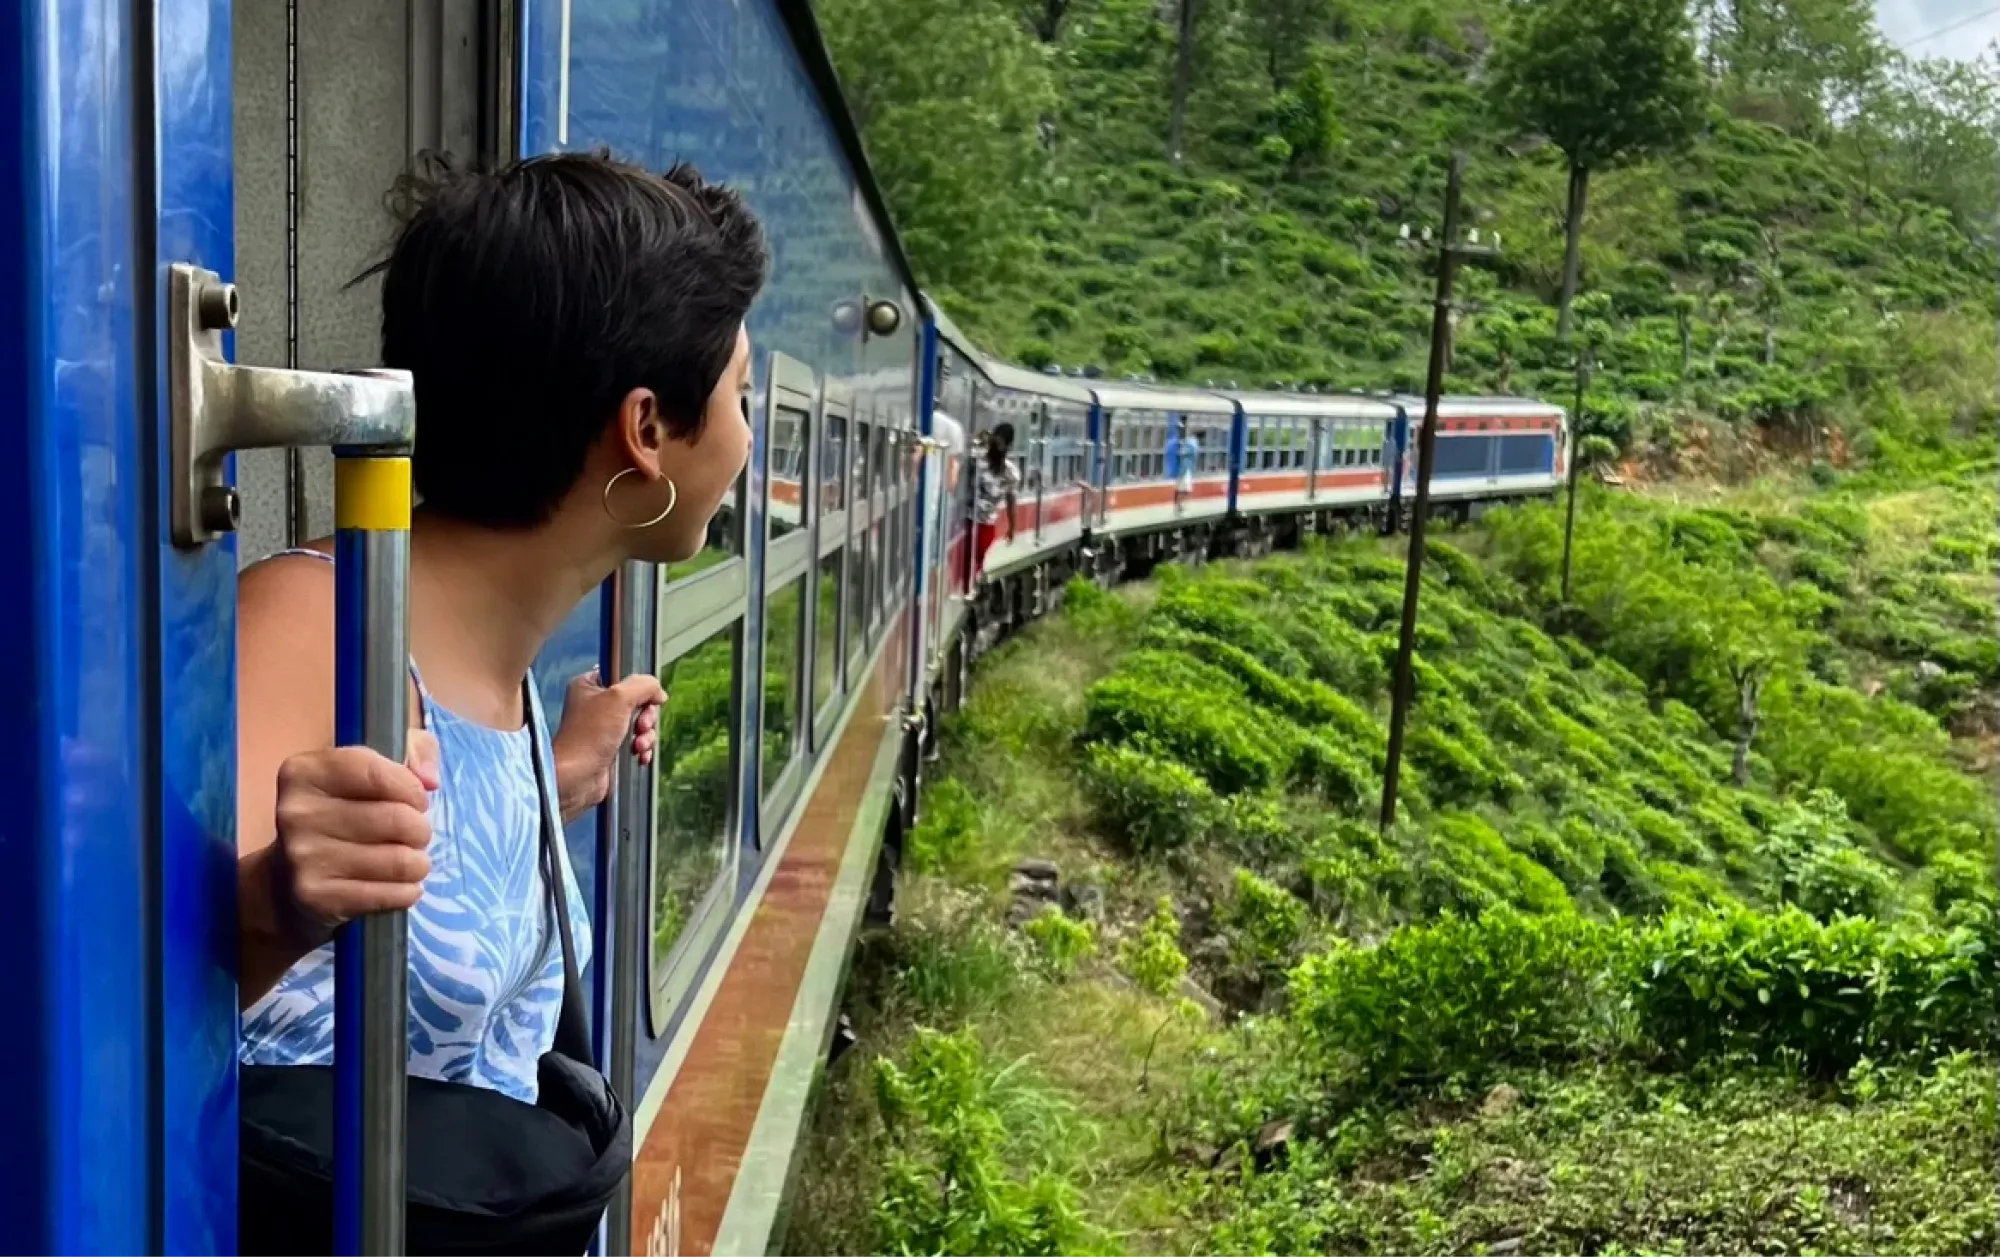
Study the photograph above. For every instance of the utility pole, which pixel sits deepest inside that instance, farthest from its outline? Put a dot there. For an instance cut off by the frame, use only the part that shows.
(1575, 458)
(1450, 251)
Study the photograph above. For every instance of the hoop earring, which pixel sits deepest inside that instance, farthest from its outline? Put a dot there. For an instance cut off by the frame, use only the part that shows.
(673, 499)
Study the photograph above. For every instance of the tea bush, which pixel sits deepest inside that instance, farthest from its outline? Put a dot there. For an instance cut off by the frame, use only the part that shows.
(1154, 803)
(1153, 957)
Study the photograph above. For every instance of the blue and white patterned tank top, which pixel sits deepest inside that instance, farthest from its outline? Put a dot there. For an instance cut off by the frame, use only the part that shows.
(486, 969)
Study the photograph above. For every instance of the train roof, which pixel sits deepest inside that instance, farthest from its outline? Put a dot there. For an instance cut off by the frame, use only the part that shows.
(1022, 380)
(1122, 396)
(1481, 407)
(948, 331)
(1323, 406)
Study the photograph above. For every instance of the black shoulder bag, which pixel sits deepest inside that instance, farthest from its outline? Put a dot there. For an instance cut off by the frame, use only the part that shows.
(487, 1173)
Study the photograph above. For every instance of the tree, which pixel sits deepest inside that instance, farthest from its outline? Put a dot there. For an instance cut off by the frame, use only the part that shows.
(1944, 117)
(1283, 31)
(1685, 304)
(950, 103)
(1813, 60)
(1608, 82)
(1187, 14)
(1044, 17)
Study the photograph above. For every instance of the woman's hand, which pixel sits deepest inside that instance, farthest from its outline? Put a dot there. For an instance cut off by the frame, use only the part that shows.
(596, 721)
(352, 832)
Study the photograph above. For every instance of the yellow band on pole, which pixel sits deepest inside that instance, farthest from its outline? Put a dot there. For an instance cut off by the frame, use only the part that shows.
(372, 494)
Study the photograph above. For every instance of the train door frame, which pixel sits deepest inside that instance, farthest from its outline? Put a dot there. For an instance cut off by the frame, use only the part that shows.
(1314, 439)
(1038, 446)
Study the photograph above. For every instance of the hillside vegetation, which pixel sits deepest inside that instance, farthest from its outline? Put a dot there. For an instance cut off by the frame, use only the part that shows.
(1683, 938)
(1811, 268)
(1597, 991)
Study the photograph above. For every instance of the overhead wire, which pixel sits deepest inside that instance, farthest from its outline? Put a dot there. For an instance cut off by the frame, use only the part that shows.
(1946, 30)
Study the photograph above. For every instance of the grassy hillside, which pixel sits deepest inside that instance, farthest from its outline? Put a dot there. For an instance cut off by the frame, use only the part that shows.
(1787, 277)
(1251, 1023)
(1683, 940)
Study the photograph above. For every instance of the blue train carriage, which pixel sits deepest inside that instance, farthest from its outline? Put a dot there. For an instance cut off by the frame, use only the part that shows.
(1310, 463)
(1041, 546)
(1164, 485)
(1490, 450)
(953, 396)
(254, 143)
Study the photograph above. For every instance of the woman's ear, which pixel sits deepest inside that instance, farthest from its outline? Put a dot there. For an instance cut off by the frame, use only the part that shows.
(641, 434)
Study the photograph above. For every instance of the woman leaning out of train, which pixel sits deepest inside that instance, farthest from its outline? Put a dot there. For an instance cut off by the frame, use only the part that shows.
(575, 327)
(998, 484)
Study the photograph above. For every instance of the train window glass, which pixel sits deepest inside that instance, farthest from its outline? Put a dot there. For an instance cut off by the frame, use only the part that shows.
(784, 485)
(693, 846)
(833, 461)
(858, 484)
(826, 635)
(784, 679)
(855, 605)
(884, 490)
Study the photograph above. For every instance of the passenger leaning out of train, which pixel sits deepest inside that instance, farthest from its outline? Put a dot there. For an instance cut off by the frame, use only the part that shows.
(575, 328)
(998, 484)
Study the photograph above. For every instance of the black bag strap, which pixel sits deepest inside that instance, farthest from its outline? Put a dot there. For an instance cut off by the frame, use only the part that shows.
(572, 1027)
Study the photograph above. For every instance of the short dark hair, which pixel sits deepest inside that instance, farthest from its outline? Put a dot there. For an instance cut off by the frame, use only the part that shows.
(529, 300)
(1004, 433)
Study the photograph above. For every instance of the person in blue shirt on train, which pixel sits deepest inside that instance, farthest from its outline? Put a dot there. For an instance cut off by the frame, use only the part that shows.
(575, 329)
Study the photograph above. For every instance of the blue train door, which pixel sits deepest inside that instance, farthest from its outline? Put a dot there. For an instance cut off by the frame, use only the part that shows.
(281, 128)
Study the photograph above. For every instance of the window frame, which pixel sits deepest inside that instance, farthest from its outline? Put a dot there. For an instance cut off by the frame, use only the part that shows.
(670, 981)
(789, 559)
(835, 403)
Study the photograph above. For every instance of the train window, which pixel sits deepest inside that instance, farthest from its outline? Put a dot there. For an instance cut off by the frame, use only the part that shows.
(694, 847)
(832, 463)
(878, 534)
(784, 681)
(784, 484)
(826, 637)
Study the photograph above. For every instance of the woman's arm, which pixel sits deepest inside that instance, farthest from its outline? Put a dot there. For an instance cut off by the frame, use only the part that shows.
(354, 822)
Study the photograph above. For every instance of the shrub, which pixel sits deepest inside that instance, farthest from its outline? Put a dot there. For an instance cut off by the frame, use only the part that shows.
(947, 1188)
(1219, 740)
(1154, 804)
(1061, 944)
(947, 830)
(1455, 999)
(1153, 958)
(1768, 987)
(1266, 923)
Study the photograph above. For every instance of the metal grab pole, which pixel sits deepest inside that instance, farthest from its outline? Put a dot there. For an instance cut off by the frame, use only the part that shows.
(371, 503)
(1399, 694)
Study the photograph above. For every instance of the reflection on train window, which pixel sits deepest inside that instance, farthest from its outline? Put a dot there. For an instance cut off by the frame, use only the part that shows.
(885, 492)
(697, 758)
(833, 461)
(859, 484)
(784, 678)
(856, 605)
(785, 484)
(826, 634)
(724, 540)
